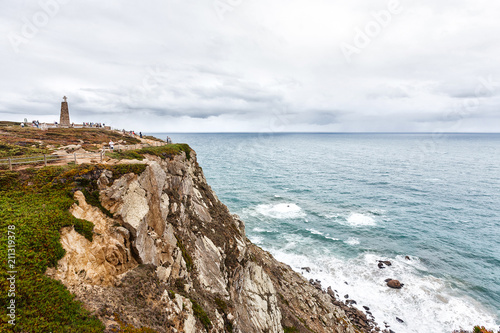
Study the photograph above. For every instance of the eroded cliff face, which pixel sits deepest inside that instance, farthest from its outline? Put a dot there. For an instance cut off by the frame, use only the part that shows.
(173, 258)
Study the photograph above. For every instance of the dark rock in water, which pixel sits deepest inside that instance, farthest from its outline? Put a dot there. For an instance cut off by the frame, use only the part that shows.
(353, 302)
(366, 308)
(307, 269)
(386, 262)
(387, 280)
(346, 296)
(407, 258)
(346, 283)
(391, 331)
(380, 265)
(395, 284)
(400, 320)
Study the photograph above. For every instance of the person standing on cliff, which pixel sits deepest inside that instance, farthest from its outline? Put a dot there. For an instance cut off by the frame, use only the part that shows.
(111, 145)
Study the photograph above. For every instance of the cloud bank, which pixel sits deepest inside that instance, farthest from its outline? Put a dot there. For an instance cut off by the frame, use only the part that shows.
(252, 66)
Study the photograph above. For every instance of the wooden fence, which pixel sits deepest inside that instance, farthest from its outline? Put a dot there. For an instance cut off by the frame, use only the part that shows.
(46, 159)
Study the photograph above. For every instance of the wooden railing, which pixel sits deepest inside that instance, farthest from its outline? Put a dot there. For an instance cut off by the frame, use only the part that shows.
(46, 159)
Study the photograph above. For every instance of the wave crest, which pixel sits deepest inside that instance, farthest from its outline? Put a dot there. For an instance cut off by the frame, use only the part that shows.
(281, 211)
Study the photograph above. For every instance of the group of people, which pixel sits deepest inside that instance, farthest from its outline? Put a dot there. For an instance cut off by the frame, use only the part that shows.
(130, 133)
(98, 125)
(34, 123)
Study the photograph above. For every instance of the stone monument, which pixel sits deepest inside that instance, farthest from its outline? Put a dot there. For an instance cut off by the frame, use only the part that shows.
(64, 122)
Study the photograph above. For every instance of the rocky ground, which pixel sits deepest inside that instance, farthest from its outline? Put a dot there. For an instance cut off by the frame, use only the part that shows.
(167, 255)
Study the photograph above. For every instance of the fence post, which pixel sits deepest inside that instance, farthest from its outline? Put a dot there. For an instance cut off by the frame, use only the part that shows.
(102, 152)
(10, 164)
(74, 154)
(45, 159)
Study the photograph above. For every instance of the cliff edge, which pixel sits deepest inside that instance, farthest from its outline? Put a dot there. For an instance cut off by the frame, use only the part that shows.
(168, 256)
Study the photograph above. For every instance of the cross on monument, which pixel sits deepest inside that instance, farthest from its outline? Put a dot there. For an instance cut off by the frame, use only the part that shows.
(65, 98)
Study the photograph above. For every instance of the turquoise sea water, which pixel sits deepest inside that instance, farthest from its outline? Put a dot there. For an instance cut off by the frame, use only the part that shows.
(337, 203)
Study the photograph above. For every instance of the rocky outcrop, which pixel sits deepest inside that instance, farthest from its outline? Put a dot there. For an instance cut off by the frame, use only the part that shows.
(173, 258)
(98, 262)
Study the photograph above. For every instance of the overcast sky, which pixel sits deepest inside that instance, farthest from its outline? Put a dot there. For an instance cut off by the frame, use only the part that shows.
(254, 65)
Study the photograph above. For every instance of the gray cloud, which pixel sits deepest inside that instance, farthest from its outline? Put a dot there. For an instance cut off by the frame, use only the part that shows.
(176, 66)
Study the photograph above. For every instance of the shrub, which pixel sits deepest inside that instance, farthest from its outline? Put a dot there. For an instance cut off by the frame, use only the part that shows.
(201, 315)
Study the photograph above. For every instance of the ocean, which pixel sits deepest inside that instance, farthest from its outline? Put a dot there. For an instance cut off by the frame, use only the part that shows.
(339, 203)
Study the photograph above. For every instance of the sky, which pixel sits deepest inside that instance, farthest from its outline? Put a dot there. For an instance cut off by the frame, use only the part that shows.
(254, 65)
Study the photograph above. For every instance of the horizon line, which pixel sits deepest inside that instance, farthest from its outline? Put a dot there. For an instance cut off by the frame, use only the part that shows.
(434, 133)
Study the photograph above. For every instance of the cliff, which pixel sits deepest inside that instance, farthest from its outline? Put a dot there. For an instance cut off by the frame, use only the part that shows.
(167, 256)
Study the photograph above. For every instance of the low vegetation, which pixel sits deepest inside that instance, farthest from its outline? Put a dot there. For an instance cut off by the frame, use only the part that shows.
(166, 151)
(35, 204)
(476, 329)
(185, 254)
(201, 315)
(10, 150)
(19, 141)
(127, 328)
(481, 329)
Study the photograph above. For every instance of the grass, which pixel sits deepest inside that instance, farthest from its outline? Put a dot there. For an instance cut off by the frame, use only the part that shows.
(166, 151)
(66, 136)
(127, 328)
(9, 123)
(150, 137)
(35, 203)
(18, 141)
(222, 306)
(201, 315)
(125, 155)
(481, 329)
(185, 255)
(290, 329)
(10, 150)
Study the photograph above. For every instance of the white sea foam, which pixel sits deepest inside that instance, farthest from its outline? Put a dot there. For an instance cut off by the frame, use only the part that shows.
(425, 303)
(256, 239)
(314, 231)
(261, 230)
(352, 241)
(358, 220)
(281, 211)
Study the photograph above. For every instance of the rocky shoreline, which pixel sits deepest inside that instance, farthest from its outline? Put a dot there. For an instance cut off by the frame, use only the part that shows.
(366, 319)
